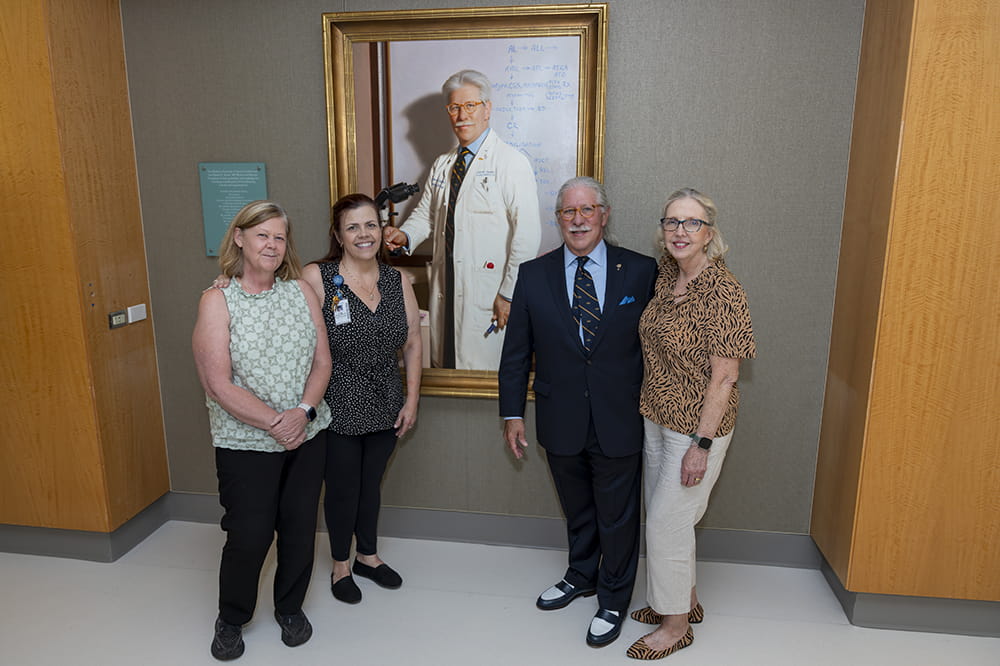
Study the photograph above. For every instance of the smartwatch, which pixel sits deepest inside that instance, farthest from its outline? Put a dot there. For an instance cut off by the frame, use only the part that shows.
(702, 442)
(311, 411)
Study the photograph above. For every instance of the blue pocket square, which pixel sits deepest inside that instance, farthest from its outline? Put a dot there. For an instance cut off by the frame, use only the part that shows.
(627, 299)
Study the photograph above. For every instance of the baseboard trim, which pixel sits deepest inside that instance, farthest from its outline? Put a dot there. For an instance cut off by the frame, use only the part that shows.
(890, 611)
(770, 548)
(744, 546)
(84, 545)
(471, 527)
(777, 549)
(194, 507)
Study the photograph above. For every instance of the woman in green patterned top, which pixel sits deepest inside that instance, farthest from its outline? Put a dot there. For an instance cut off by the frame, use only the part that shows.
(262, 356)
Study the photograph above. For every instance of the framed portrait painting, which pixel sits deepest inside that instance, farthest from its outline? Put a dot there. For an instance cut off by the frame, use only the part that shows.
(387, 120)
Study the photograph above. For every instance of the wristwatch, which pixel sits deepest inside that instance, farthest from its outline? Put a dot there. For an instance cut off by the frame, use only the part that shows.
(311, 411)
(702, 442)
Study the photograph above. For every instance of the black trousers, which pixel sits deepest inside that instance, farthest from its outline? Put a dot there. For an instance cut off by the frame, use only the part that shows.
(264, 493)
(600, 498)
(354, 468)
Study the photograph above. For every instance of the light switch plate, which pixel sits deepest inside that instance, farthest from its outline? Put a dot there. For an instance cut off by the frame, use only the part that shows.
(136, 313)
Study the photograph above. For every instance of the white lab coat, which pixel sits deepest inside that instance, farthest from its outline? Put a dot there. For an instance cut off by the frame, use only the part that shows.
(497, 228)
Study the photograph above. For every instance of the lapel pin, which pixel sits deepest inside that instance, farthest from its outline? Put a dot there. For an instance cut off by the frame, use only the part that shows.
(618, 267)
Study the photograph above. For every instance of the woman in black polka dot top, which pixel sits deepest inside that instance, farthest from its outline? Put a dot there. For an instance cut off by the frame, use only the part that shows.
(371, 314)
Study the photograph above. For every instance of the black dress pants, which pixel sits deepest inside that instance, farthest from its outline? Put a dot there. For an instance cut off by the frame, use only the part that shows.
(354, 468)
(600, 498)
(264, 493)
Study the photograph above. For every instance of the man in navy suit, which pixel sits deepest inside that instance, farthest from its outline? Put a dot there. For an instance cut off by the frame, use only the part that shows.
(576, 309)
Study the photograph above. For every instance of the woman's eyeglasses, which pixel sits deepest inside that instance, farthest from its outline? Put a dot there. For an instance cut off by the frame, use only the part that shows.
(691, 225)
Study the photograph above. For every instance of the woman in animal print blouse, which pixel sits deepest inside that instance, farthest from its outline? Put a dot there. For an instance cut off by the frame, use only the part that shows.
(694, 333)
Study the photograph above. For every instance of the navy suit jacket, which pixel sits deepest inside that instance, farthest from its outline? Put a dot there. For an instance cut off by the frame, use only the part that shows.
(570, 384)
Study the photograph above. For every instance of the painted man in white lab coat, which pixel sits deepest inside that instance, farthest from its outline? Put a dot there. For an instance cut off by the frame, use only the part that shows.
(483, 216)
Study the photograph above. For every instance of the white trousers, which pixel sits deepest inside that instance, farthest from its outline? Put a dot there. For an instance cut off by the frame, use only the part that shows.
(672, 511)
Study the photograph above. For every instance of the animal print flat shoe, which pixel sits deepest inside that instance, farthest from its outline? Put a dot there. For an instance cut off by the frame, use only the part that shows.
(649, 616)
(640, 650)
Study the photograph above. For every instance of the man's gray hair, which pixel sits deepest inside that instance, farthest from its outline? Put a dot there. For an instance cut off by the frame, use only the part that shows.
(468, 77)
(582, 181)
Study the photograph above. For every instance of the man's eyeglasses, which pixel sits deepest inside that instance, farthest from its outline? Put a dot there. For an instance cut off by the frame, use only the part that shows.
(586, 212)
(691, 225)
(470, 107)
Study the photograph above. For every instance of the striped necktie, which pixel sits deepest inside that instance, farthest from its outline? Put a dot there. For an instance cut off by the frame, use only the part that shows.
(586, 307)
(457, 175)
(455, 184)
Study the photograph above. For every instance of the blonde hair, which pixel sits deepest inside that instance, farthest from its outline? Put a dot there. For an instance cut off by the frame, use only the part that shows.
(717, 246)
(254, 213)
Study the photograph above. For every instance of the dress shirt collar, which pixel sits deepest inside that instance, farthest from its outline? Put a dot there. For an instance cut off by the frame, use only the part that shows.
(478, 143)
(599, 256)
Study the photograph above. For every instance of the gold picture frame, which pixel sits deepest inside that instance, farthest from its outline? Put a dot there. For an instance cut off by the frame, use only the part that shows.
(344, 33)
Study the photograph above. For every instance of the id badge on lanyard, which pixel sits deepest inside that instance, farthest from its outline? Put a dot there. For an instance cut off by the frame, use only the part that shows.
(341, 308)
(342, 312)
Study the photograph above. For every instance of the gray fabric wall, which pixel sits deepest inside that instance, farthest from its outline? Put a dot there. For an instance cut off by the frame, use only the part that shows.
(749, 101)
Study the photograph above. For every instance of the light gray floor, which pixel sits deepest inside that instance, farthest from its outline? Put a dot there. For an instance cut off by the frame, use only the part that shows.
(460, 604)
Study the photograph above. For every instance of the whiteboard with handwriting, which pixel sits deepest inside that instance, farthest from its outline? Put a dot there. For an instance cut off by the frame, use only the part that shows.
(535, 107)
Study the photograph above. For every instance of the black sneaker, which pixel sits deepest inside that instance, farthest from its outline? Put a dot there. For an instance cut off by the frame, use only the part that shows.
(228, 643)
(295, 629)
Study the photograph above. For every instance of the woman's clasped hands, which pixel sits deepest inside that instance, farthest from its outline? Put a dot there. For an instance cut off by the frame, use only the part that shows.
(288, 428)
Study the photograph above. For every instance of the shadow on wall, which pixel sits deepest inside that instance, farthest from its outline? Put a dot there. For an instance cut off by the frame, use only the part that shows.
(429, 135)
(430, 131)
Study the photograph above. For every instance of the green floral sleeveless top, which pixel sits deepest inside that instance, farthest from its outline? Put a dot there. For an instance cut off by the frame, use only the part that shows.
(271, 343)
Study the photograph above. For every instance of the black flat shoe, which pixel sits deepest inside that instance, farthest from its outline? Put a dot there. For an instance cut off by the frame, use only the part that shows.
(383, 574)
(600, 639)
(346, 590)
(560, 594)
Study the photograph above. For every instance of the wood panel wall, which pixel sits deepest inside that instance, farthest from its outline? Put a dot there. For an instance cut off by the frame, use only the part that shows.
(878, 110)
(84, 448)
(909, 463)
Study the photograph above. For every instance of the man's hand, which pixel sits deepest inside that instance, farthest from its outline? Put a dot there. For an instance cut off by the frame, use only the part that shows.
(513, 434)
(501, 311)
(394, 238)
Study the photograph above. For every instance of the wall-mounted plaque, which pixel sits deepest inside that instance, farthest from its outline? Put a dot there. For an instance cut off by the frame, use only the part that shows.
(225, 188)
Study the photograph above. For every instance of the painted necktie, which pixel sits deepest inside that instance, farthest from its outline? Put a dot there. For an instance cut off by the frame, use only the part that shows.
(457, 175)
(455, 184)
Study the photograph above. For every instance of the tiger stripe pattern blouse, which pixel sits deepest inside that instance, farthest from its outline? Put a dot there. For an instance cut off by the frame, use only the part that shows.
(680, 334)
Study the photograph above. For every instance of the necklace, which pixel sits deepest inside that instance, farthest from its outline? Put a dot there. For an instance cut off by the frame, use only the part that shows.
(356, 279)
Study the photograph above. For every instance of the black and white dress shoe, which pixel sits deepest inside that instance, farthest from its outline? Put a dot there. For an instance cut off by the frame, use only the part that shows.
(560, 594)
(605, 627)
